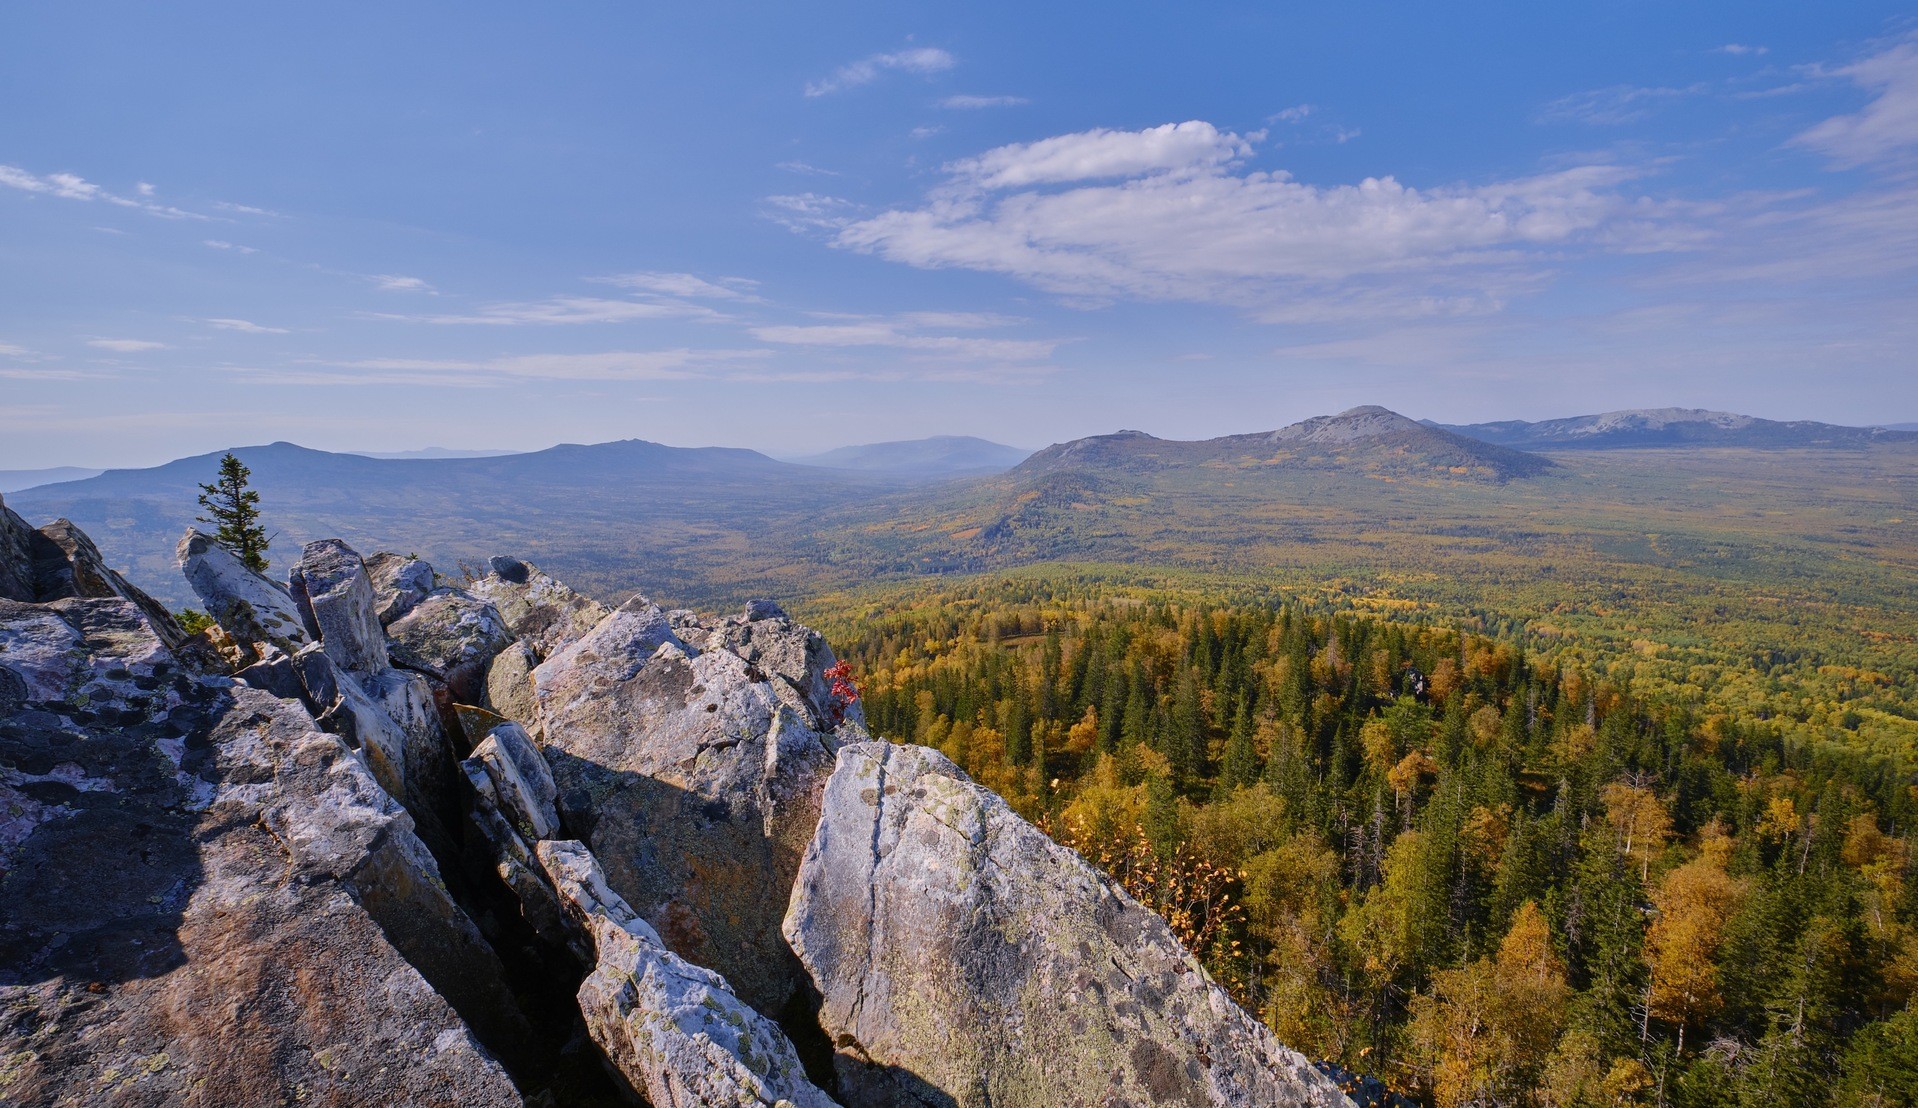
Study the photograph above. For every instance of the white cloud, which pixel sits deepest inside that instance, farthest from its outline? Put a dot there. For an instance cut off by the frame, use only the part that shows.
(1088, 155)
(683, 285)
(393, 282)
(922, 60)
(245, 327)
(808, 170)
(1743, 50)
(1186, 223)
(912, 331)
(243, 209)
(1292, 114)
(564, 310)
(67, 186)
(963, 102)
(921, 133)
(143, 188)
(1614, 105)
(1886, 130)
(8, 350)
(222, 244)
(126, 346)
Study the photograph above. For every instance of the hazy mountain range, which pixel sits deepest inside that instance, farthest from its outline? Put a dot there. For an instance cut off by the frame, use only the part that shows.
(1677, 427)
(715, 524)
(939, 456)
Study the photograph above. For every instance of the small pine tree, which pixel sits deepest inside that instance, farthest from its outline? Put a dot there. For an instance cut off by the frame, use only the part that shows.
(234, 509)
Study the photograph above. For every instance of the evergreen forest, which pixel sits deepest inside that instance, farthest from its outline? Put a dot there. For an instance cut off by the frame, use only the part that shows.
(1484, 874)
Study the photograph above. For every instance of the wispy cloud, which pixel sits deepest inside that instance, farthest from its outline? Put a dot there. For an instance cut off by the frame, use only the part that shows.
(963, 102)
(1293, 114)
(126, 346)
(222, 244)
(245, 327)
(808, 211)
(393, 282)
(1743, 50)
(921, 60)
(922, 133)
(918, 332)
(67, 186)
(1886, 130)
(616, 365)
(807, 169)
(1615, 104)
(561, 310)
(685, 286)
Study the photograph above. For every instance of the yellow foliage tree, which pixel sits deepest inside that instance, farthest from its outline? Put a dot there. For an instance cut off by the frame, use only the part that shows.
(1485, 1031)
(1640, 821)
(1693, 903)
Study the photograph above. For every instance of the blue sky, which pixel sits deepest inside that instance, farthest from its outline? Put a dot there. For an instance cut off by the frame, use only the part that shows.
(791, 227)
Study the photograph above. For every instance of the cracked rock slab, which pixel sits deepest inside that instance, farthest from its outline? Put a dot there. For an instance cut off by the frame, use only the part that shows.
(675, 1030)
(965, 958)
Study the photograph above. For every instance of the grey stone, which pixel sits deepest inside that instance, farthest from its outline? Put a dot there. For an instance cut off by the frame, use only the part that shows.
(696, 785)
(399, 583)
(68, 564)
(451, 636)
(340, 595)
(509, 682)
(16, 557)
(207, 900)
(965, 958)
(247, 606)
(342, 707)
(675, 1030)
(537, 608)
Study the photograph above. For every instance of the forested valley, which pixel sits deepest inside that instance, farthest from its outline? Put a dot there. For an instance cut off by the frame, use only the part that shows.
(1484, 875)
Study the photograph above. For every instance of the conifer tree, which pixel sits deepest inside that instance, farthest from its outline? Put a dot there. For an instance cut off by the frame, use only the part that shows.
(234, 509)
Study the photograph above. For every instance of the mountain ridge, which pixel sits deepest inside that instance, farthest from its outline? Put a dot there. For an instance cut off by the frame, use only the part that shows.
(1368, 438)
(1674, 427)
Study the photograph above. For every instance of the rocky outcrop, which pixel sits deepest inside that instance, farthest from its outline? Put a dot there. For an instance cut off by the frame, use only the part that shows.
(400, 581)
(250, 608)
(537, 609)
(667, 838)
(16, 557)
(513, 810)
(59, 561)
(965, 958)
(206, 899)
(694, 775)
(675, 1030)
(339, 598)
(451, 636)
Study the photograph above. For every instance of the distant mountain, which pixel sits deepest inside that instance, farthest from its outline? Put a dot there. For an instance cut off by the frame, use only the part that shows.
(939, 456)
(578, 507)
(13, 480)
(1642, 427)
(1367, 439)
(1900, 426)
(433, 452)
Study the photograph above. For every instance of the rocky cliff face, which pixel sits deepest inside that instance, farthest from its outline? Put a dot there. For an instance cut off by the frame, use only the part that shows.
(386, 838)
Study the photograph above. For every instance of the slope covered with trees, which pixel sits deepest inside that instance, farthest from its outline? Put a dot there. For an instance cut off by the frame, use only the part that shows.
(1486, 875)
